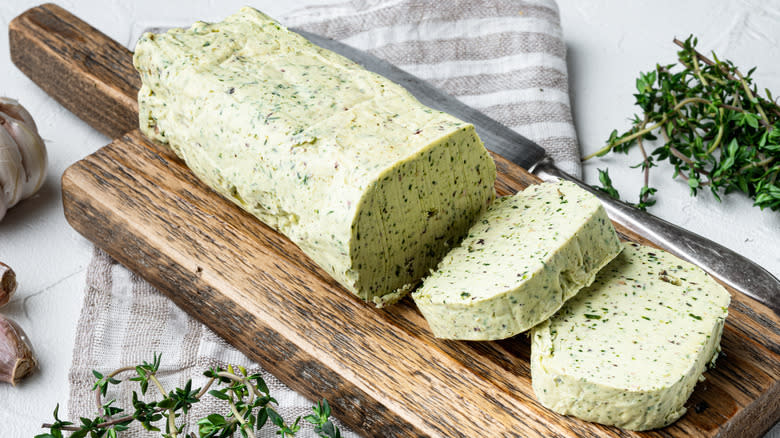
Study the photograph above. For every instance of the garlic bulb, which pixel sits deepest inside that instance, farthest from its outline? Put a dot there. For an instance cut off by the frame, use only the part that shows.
(22, 155)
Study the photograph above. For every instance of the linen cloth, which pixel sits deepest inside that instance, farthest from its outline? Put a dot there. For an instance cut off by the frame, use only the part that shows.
(504, 57)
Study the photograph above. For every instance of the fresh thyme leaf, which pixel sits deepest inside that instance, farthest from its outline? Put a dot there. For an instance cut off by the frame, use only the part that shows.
(323, 427)
(712, 125)
(247, 397)
(606, 184)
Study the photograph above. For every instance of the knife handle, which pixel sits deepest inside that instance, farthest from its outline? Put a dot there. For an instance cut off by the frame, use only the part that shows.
(731, 268)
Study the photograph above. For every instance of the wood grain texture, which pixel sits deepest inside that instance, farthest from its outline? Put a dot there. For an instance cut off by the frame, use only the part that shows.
(84, 70)
(382, 370)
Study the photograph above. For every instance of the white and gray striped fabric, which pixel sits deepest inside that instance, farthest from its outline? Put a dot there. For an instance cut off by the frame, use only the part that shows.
(504, 57)
(125, 320)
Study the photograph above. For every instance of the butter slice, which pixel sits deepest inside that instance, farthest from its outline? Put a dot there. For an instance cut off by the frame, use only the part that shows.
(372, 185)
(524, 257)
(628, 350)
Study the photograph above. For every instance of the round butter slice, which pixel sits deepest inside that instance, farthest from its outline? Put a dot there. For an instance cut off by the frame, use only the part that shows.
(628, 350)
(522, 259)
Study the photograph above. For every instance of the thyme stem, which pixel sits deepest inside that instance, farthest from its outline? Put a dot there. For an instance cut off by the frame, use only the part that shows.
(719, 137)
(646, 163)
(243, 395)
(644, 131)
(764, 118)
(717, 131)
(171, 413)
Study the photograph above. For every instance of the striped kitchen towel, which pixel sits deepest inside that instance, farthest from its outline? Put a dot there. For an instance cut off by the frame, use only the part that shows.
(504, 57)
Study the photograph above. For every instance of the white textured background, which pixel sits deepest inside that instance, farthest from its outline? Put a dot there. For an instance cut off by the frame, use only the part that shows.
(609, 42)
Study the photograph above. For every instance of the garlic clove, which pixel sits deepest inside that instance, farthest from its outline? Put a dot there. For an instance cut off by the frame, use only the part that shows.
(14, 109)
(11, 172)
(23, 158)
(17, 359)
(32, 150)
(7, 283)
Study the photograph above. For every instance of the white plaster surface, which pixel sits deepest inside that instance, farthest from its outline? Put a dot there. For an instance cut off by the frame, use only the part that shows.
(608, 43)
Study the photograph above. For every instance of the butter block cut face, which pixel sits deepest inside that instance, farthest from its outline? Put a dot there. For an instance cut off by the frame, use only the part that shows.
(628, 350)
(372, 185)
(523, 258)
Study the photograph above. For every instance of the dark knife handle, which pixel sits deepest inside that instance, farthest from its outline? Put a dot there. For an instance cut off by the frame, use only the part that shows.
(731, 268)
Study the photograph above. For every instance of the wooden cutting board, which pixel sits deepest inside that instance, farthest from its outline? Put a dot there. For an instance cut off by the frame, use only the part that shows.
(382, 371)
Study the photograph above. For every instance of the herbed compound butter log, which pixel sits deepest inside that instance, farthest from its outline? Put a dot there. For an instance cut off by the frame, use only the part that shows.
(628, 350)
(524, 257)
(371, 184)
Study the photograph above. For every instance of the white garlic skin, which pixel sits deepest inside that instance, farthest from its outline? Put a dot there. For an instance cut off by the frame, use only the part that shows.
(23, 157)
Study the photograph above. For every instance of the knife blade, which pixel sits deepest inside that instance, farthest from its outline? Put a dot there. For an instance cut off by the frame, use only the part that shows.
(733, 269)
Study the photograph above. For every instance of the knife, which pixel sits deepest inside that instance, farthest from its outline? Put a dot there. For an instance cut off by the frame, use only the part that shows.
(731, 268)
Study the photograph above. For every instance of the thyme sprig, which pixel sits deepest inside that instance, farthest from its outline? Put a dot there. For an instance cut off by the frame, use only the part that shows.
(714, 128)
(246, 395)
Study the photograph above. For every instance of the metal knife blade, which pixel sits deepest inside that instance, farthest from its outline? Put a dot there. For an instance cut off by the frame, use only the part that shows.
(730, 267)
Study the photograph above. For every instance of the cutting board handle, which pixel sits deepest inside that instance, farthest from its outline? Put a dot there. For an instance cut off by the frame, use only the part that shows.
(87, 72)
